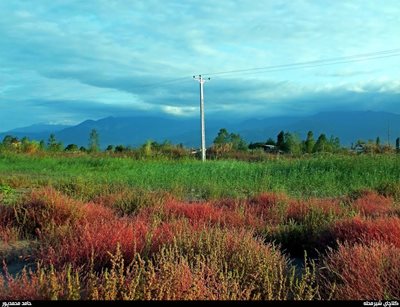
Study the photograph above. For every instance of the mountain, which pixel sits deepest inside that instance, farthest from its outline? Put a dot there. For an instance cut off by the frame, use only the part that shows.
(348, 126)
(137, 130)
(35, 132)
(39, 128)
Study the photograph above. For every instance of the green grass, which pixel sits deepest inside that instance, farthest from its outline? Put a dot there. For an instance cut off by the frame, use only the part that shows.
(322, 176)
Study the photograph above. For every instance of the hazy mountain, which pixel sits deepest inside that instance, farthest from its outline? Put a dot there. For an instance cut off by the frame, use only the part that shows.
(137, 130)
(39, 128)
(34, 132)
(348, 126)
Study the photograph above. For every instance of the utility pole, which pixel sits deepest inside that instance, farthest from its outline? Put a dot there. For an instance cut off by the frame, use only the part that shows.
(203, 131)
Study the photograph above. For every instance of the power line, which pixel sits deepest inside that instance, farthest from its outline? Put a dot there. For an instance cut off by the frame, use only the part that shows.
(165, 82)
(348, 59)
(321, 64)
(299, 65)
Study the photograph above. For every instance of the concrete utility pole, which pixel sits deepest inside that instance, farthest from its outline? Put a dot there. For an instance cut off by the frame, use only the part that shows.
(203, 131)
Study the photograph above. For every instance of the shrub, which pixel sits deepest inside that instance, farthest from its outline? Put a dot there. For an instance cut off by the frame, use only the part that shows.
(305, 226)
(269, 207)
(372, 204)
(97, 233)
(41, 284)
(130, 201)
(358, 230)
(205, 214)
(45, 209)
(361, 272)
(390, 189)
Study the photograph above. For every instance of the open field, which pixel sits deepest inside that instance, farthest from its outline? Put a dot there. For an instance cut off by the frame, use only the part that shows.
(115, 228)
(319, 176)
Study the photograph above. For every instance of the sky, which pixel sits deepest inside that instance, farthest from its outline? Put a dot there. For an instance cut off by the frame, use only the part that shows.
(65, 61)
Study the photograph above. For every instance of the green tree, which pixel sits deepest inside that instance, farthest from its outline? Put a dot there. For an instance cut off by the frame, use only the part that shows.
(322, 144)
(72, 147)
(94, 143)
(42, 145)
(309, 142)
(334, 144)
(270, 141)
(237, 142)
(10, 142)
(147, 148)
(53, 145)
(280, 140)
(292, 144)
(120, 148)
(222, 137)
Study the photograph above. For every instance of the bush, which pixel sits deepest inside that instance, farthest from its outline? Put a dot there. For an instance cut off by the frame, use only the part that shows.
(369, 203)
(41, 211)
(361, 272)
(390, 189)
(358, 230)
(215, 265)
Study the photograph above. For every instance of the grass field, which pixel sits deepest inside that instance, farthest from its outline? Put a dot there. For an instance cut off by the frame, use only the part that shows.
(320, 227)
(322, 176)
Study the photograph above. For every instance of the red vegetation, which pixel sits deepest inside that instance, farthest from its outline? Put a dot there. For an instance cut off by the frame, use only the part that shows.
(267, 207)
(358, 229)
(188, 247)
(205, 214)
(362, 272)
(299, 209)
(7, 232)
(372, 204)
(98, 232)
(45, 209)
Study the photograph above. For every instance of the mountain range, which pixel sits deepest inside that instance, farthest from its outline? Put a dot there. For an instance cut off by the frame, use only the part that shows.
(134, 131)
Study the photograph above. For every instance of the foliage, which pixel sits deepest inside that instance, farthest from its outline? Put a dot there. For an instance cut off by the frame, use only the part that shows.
(94, 141)
(138, 244)
(226, 142)
(361, 272)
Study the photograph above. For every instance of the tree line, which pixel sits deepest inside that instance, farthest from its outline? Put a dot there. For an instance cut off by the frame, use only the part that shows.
(223, 144)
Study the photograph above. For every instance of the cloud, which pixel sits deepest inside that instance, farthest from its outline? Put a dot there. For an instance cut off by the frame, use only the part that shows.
(73, 60)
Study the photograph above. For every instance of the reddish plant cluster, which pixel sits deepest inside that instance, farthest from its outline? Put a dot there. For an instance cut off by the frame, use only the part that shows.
(7, 231)
(268, 207)
(45, 209)
(203, 250)
(372, 204)
(204, 214)
(297, 210)
(358, 229)
(361, 272)
(98, 232)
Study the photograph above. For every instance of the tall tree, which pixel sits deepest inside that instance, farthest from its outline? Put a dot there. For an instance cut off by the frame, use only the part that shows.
(222, 137)
(322, 144)
(292, 144)
(280, 140)
(52, 143)
(309, 142)
(94, 143)
(237, 142)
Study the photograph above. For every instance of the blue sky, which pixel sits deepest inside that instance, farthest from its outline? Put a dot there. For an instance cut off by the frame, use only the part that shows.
(66, 61)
